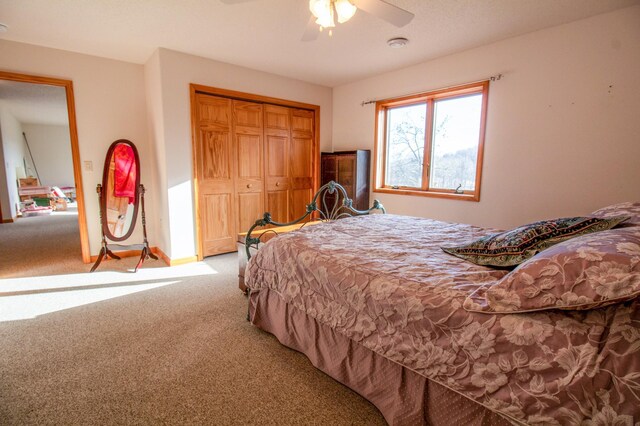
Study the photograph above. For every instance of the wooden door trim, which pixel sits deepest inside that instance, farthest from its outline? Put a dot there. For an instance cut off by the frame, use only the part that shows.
(75, 147)
(194, 163)
(195, 89)
(242, 96)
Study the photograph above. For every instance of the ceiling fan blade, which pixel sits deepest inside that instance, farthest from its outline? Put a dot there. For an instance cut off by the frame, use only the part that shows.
(383, 10)
(311, 31)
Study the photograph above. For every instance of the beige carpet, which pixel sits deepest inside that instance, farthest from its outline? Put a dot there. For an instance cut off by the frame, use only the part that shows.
(41, 245)
(181, 353)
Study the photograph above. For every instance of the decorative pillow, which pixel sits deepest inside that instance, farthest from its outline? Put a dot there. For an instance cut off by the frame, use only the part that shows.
(510, 248)
(621, 209)
(586, 272)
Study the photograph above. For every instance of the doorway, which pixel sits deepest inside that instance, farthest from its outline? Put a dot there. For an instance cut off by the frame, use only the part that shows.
(9, 193)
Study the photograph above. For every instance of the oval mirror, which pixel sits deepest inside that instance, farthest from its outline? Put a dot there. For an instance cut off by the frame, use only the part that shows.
(120, 190)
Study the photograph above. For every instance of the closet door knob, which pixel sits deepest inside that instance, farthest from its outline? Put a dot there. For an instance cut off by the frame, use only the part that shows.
(249, 185)
(277, 183)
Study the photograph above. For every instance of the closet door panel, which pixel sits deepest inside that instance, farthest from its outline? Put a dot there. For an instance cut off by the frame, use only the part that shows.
(278, 206)
(217, 154)
(218, 218)
(278, 155)
(214, 110)
(215, 171)
(249, 156)
(301, 152)
(276, 118)
(249, 163)
(301, 161)
(299, 200)
(247, 114)
(302, 121)
(250, 208)
(248, 133)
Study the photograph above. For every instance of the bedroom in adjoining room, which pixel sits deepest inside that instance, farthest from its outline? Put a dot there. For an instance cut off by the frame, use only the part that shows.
(37, 189)
(340, 212)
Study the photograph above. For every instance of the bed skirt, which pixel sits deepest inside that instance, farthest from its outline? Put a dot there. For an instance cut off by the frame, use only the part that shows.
(402, 396)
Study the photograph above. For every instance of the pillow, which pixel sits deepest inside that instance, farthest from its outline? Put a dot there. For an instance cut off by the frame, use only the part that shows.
(586, 272)
(510, 248)
(621, 209)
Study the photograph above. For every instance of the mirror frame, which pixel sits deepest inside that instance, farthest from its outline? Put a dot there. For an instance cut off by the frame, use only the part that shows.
(103, 194)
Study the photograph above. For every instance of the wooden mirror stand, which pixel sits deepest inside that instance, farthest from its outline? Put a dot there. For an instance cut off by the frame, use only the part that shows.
(121, 195)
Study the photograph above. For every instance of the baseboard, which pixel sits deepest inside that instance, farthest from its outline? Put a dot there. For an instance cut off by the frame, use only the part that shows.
(155, 250)
(173, 262)
(124, 253)
(127, 253)
(161, 255)
(8, 220)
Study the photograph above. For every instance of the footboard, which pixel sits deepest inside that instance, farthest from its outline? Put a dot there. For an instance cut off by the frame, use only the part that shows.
(329, 203)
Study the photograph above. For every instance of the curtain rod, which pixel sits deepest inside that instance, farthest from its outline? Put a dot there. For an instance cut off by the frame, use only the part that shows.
(492, 78)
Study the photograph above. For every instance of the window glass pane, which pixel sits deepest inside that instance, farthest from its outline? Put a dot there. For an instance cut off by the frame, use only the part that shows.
(405, 145)
(454, 152)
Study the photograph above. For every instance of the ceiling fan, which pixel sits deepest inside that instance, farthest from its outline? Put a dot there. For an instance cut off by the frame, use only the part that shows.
(325, 12)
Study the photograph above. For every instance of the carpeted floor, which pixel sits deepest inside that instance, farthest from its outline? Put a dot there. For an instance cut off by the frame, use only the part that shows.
(41, 245)
(163, 346)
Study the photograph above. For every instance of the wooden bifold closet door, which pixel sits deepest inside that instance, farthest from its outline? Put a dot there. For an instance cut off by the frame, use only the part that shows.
(250, 157)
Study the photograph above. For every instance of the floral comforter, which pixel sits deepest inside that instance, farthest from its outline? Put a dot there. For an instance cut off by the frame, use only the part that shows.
(383, 281)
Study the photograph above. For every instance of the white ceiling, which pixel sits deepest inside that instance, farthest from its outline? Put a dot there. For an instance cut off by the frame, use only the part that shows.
(35, 103)
(265, 34)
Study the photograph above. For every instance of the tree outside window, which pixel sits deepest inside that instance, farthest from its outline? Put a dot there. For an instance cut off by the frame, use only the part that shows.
(431, 144)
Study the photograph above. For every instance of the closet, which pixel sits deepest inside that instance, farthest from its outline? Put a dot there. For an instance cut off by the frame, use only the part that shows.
(249, 157)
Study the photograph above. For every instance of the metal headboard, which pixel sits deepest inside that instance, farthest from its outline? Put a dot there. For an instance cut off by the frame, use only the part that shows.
(329, 195)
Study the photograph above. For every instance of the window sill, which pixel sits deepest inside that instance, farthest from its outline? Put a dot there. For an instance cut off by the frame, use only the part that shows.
(433, 194)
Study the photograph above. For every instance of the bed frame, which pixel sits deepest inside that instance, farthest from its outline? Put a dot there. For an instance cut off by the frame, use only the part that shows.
(331, 202)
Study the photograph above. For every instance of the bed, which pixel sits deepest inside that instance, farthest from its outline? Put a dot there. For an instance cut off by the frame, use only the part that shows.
(374, 302)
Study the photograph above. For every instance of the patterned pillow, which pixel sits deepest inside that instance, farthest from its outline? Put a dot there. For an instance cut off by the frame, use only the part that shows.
(511, 248)
(586, 272)
(621, 209)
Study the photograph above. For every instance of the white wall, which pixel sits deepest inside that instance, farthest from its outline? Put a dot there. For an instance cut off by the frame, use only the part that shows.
(563, 134)
(5, 203)
(14, 155)
(51, 149)
(174, 71)
(110, 105)
(155, 125)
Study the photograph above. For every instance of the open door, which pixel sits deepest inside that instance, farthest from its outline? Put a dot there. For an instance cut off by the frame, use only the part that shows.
(75, 152)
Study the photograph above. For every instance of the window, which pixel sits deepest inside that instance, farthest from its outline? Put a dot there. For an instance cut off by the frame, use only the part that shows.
(431, 144)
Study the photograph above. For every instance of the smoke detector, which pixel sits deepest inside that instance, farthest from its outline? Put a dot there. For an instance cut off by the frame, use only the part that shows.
(397, 42)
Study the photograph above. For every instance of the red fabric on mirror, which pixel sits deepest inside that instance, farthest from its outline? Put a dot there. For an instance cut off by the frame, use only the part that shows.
(125, 172)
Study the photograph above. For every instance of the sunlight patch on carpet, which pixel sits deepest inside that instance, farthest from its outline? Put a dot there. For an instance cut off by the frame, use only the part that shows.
(104, 277)
(27, 306)
(29, 297)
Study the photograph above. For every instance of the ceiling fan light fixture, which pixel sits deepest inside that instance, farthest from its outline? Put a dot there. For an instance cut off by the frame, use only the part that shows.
(325, 11)
(345, 10)
(320, 7)
(326, 21)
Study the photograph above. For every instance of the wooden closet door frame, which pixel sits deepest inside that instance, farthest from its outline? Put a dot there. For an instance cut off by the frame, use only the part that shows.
(232, 94)
(75, 147)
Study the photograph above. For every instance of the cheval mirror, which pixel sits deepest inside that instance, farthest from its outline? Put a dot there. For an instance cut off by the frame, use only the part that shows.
(121, 195)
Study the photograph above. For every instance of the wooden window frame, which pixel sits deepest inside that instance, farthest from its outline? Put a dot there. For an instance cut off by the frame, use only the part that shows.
(428, 98)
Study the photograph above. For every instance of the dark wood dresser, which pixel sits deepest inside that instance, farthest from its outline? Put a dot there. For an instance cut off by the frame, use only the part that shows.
(351, 170)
